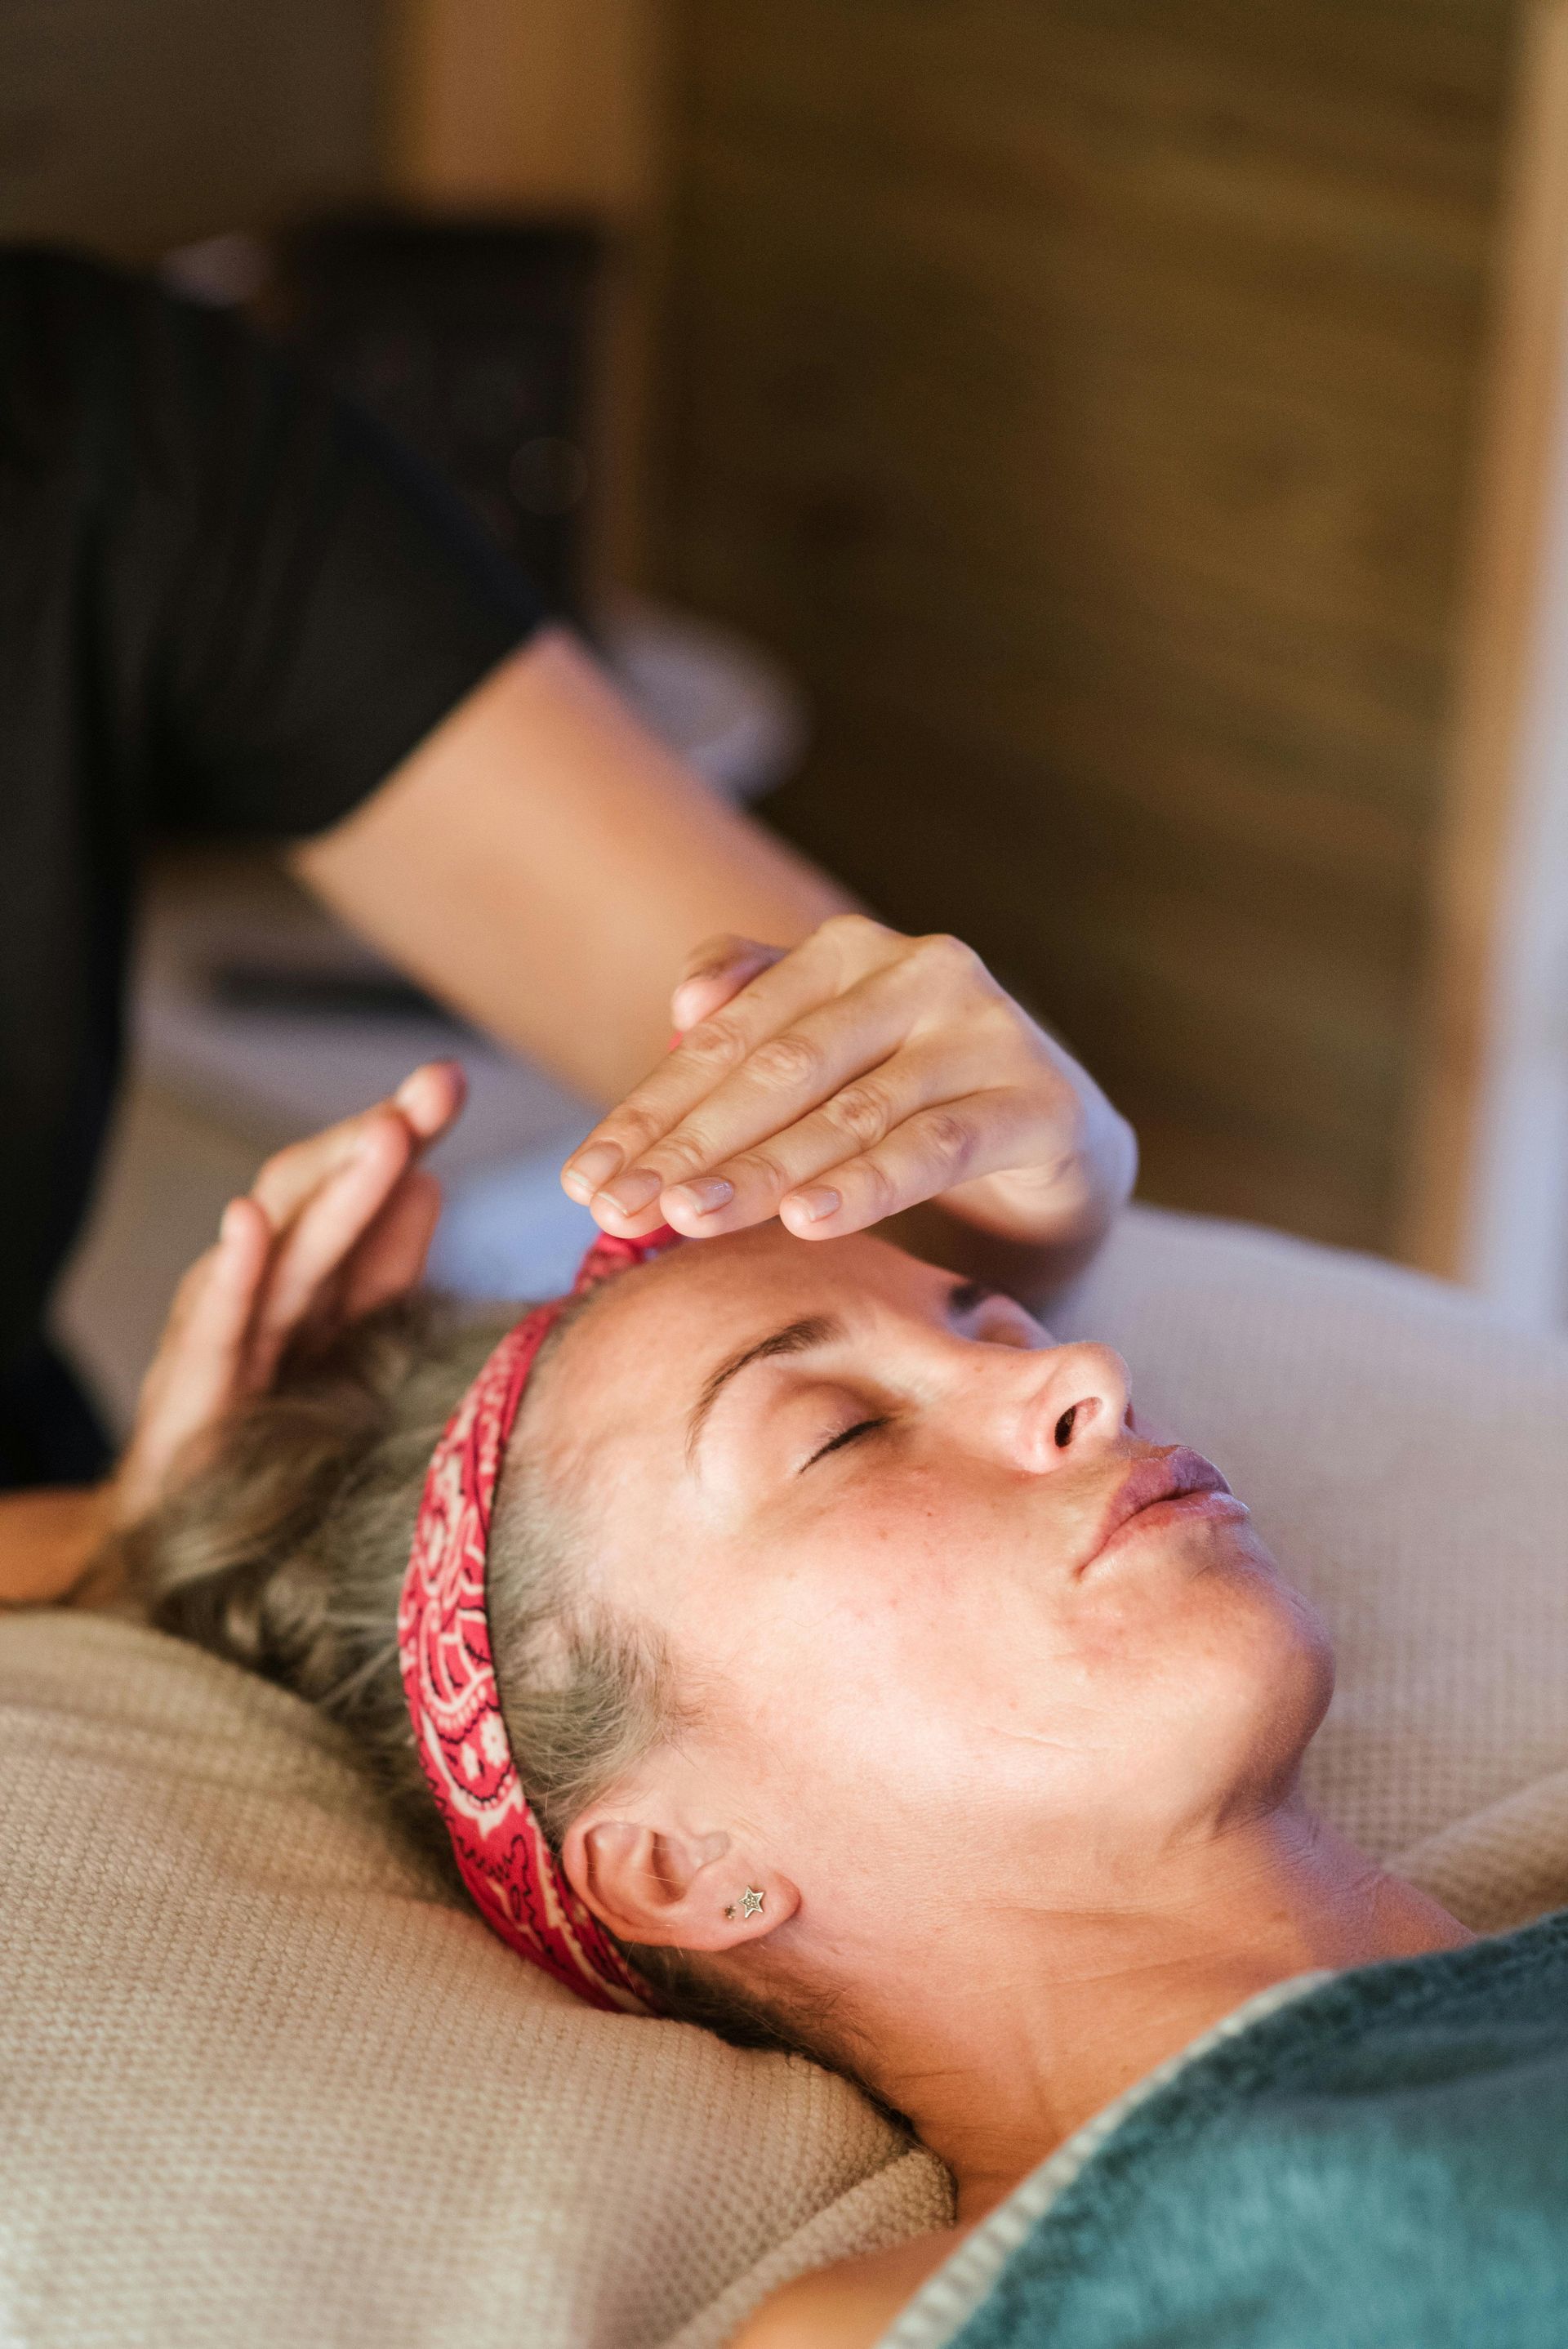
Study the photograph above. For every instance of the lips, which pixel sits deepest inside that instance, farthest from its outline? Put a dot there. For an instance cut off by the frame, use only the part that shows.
(1171, 1475)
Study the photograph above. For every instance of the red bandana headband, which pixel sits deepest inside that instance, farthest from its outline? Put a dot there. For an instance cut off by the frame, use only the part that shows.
(448, 1674)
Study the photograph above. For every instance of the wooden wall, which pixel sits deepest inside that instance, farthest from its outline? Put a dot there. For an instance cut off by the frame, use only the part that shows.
(1080, 396)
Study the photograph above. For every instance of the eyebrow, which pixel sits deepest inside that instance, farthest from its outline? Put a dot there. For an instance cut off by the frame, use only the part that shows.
(799, 1337)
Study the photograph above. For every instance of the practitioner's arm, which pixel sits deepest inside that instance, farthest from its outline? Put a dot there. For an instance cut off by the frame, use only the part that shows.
(540, 863)
(861, 1077)
(332, 1228)
(47, 1539)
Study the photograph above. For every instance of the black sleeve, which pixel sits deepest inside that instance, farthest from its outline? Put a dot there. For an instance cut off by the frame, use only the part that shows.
(278, 603)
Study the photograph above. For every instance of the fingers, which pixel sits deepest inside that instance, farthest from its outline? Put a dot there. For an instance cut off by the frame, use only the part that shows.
(806, 1067)
(323, 1198)
(833, 959)
(716, 974)
(885, 1143)
(930, 1153)
(213, 1303)
(824, 1087)
(198, 1369)
(857, 1075)
(853, 1111)
(311, 1256)
(336, 1224)
(432, 1098)
(426, 1102)
(390, 1258)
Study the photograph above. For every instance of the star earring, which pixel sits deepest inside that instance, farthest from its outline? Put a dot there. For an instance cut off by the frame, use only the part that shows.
(748, 1905)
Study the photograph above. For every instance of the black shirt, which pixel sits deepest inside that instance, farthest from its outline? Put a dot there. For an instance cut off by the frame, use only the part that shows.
(227, 605)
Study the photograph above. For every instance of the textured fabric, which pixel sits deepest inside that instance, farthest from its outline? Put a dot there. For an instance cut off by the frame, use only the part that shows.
(448, 1670)
(227, 607)
(262, 2082)
(1378, 2163)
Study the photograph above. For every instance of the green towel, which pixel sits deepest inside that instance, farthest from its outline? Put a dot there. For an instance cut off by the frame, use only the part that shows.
(1380, 2162)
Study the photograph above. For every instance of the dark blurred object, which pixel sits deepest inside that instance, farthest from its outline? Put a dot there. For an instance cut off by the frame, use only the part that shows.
(469, 342)
(51, 1431)
(253, 985)
(476, 346)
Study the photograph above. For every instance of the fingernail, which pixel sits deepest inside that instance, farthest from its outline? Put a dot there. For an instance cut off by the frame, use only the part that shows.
(229, 1222)
(587, 1174)
(703, 1197)
(815, 1204)
(633, 1192)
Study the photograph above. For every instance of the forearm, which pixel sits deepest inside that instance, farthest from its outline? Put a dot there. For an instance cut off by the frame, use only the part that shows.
(48, 1539)
(540, 863)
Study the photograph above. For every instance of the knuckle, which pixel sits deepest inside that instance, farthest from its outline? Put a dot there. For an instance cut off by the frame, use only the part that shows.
(278, 1170)
(877, 1187)
(854, 930)
(951, 1137)
(716, 1044)
(861, 1112)
(635, 1130)
(947, 956)
(680, 1155)
(758, 1171)
(715, 953)
(786, 1062)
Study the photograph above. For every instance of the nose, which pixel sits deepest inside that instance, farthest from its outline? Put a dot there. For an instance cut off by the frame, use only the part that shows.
(1081, 1407)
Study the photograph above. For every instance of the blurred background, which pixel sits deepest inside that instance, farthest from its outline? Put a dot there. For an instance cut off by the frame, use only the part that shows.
(1093, 465)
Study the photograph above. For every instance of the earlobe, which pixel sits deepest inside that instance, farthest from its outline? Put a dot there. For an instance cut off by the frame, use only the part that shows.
(669, 1887)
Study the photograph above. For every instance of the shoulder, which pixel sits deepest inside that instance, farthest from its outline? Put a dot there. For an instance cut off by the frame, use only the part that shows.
(91, 357)
(851, 2304)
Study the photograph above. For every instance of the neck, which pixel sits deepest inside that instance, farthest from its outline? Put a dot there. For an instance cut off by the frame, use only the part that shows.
(1041, 2018)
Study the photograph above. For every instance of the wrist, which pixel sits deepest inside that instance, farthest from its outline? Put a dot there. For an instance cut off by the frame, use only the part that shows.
(48, 1541)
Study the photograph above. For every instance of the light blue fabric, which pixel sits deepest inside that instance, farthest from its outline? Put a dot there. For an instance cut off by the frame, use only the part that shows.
(1378, 2163)
(510, 1231)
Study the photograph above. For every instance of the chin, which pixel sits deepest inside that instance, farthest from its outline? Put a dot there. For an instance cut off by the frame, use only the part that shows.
(1269, 1688)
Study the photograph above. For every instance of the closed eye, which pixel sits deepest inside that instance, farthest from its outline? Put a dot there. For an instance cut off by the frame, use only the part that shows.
(848, 1435)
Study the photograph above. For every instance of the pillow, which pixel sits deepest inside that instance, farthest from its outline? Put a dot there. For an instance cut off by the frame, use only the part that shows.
(1405, 1458)
(261, 2083)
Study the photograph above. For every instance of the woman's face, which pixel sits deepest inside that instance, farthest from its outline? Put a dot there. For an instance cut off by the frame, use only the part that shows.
(939, 1602)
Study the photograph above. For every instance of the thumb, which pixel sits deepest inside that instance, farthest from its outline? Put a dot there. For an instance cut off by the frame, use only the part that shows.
(714, 976)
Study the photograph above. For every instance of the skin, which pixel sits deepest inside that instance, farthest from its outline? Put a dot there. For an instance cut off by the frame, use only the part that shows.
(332, 1228)
(543, 865)
(849, 1081)
(1022, 1803)
(786, 1050)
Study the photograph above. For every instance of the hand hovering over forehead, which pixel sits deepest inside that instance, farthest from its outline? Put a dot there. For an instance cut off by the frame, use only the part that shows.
(858, 1076)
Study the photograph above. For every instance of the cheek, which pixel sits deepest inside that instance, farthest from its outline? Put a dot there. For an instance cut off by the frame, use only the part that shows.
(846, 1647)
(1207, 1701)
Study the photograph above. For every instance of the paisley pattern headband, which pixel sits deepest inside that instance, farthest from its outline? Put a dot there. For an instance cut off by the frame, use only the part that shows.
(448, 1673)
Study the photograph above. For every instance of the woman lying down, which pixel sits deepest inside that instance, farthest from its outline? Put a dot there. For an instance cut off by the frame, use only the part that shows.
(783, 1633)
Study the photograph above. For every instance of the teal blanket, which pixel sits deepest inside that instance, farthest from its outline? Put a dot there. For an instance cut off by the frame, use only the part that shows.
(1378, 2163)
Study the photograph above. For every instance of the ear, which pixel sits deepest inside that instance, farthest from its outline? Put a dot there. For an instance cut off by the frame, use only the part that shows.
(669, 1886)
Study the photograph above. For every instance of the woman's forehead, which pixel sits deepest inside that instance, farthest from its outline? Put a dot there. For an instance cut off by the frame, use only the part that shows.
(647, 1342)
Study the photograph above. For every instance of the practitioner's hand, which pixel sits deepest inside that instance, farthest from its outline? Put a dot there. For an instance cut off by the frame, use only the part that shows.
(332, 1228)
(857, 1076)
